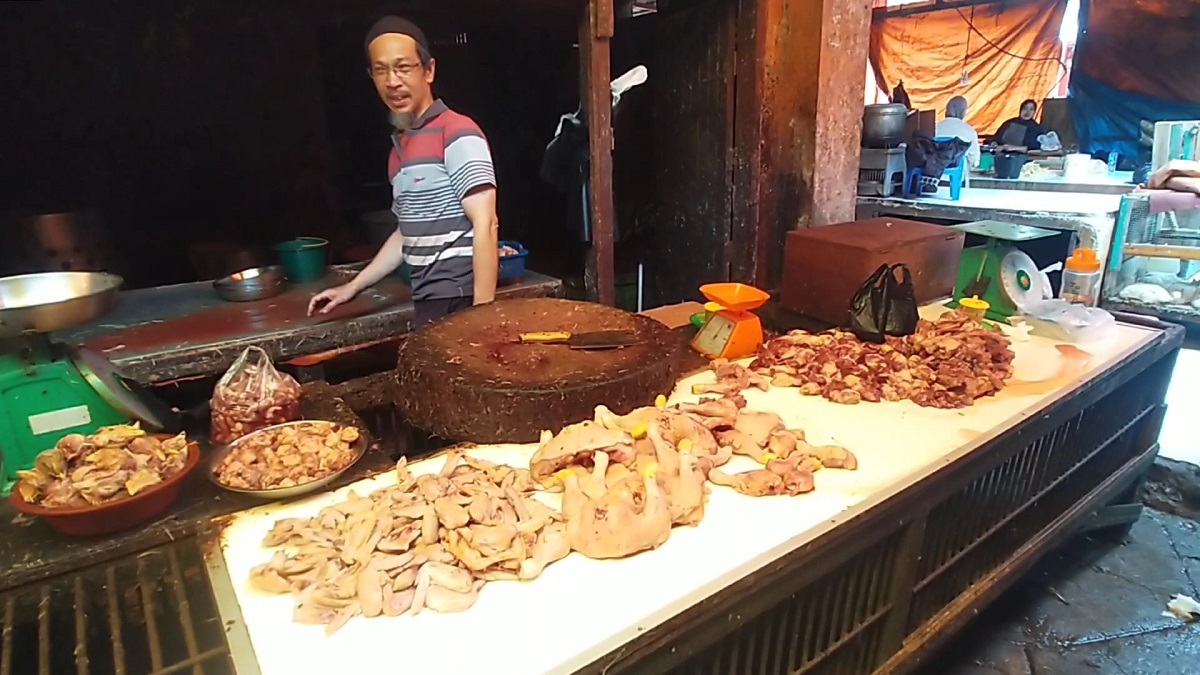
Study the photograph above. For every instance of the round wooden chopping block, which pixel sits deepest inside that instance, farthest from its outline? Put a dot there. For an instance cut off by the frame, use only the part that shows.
(468, 378)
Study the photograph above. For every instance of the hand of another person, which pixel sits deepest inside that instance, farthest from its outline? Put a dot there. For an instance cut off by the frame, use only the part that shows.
(326, 300)
(1173, 169)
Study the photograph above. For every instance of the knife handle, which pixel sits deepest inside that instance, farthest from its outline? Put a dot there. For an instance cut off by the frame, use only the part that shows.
(549, 337)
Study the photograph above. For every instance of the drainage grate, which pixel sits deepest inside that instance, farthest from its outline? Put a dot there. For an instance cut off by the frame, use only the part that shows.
(152, 613)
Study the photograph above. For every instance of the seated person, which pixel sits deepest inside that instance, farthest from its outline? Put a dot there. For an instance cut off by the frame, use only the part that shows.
(1020, 134)
(954, 127)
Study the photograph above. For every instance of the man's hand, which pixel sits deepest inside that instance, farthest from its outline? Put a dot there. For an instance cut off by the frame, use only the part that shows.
(1176, 168)
(326, 300)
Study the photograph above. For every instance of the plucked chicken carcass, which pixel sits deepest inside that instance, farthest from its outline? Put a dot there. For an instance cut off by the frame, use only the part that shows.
(577, 446)
(630, 517)
(732, 380)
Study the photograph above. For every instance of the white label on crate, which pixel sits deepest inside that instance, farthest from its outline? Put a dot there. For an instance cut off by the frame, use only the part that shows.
(57, 420)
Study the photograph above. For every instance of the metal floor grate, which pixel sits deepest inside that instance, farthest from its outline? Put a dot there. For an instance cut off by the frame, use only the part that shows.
(150, 614)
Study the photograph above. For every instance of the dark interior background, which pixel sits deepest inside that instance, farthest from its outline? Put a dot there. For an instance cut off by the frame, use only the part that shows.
(193, 125)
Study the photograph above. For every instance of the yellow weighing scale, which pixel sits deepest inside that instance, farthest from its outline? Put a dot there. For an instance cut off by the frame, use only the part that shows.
(730, 330)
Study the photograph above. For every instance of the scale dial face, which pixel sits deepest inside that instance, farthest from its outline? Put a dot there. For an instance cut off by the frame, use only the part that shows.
(714, 337)
(1020, 279)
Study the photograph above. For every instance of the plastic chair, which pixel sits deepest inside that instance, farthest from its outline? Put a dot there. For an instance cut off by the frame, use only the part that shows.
(955, 174)
(912, 176)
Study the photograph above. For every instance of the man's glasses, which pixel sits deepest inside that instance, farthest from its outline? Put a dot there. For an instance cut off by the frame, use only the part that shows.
(400, 69)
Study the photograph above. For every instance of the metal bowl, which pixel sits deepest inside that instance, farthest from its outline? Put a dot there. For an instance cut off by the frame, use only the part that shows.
(256, 283)
(43, 303)
(359, 447)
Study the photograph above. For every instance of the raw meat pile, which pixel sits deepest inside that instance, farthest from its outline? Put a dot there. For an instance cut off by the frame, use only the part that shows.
(432, 541)
(626, 480)
(289, 455)
(947, 363)
(112, 464)
(429, 542)
(252, 395)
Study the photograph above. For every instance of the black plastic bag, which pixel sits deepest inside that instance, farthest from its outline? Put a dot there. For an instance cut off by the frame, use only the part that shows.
(884, 305)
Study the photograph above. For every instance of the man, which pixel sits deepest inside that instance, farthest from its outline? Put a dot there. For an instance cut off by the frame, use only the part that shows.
(954, 127)
(443, 187)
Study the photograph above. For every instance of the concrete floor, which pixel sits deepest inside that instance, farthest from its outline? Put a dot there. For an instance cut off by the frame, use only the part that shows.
(1096, 606)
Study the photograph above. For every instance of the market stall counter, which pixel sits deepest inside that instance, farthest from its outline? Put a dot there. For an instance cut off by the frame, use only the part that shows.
(1091, 216)
(866, 573)
(186, 330)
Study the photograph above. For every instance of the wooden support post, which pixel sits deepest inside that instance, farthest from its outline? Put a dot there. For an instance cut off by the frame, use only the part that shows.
(595, 37)
(798, 120)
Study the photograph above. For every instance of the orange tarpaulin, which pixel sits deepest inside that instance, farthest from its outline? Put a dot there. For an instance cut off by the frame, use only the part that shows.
(930, 51)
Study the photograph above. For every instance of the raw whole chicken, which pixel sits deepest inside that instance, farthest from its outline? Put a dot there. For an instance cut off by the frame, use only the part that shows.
(631, 517)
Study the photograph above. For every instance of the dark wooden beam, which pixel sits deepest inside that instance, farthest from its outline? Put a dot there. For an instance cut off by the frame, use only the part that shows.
(799, 66)
(595, 38)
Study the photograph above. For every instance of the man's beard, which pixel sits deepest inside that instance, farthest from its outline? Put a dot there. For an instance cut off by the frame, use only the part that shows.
(401, 121)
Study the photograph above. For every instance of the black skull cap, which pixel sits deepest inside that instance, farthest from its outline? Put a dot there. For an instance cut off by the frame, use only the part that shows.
(395, 24)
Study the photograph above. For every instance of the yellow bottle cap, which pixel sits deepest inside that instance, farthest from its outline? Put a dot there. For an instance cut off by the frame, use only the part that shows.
(713, 307)
(974, 302)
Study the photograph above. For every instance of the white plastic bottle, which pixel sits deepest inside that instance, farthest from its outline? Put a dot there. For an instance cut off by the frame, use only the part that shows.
(1081, 278)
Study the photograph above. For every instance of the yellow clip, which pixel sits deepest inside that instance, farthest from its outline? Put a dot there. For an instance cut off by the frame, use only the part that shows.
(685, 445)
(561, 476)
(697, 389)
(639, 430)
(767, 457)
(660, 401)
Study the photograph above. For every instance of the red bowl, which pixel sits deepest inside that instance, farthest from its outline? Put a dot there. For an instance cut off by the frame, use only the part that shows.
(91, 521)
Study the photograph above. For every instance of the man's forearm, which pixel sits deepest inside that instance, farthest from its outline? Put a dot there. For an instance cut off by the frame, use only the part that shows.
(1183, 184)
(486, 260)
(389, 257)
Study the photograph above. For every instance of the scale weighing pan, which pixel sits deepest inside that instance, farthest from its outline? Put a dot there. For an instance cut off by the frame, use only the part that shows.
(44, 303)
(995, 229)
(735, 297)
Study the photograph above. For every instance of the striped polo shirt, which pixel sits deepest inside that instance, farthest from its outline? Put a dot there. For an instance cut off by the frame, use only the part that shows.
(432, 166)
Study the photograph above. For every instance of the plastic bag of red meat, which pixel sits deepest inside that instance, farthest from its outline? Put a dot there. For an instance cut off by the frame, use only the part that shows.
(252, 395)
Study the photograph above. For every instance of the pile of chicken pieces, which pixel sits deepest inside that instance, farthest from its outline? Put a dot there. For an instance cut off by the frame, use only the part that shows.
(432, 541)
(947, 363)
(628, 479)
(428, 542)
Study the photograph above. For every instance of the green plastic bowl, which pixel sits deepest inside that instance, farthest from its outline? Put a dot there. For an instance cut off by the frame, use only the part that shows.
(303, 259)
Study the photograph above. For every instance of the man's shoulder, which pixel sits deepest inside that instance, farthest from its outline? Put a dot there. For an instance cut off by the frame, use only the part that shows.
(455, 125)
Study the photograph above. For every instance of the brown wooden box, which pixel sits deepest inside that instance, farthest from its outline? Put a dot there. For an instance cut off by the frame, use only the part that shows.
(824, 266)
